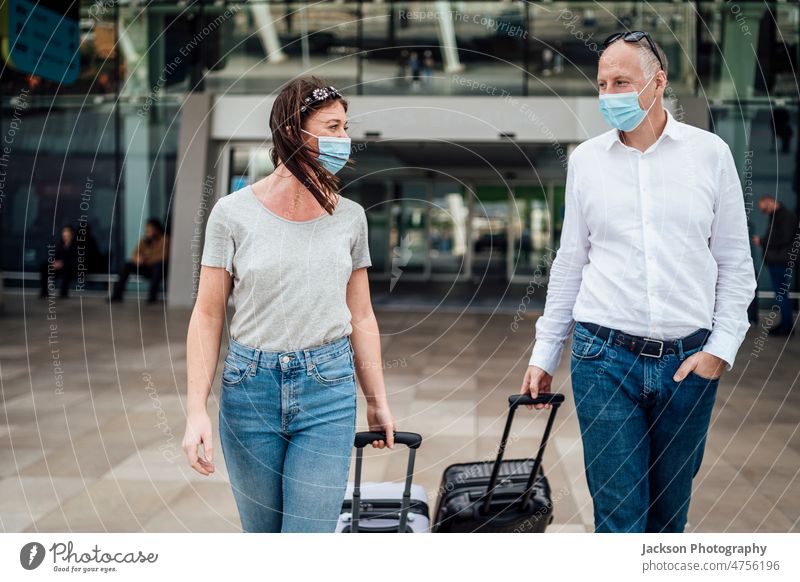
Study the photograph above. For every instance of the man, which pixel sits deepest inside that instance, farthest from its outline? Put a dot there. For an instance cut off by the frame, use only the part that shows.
(64, 264)
(655, 268)
(149, 259)
(777, 244)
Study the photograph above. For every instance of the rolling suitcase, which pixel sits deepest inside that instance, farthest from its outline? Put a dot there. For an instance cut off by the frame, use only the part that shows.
(510, 496)
(385, 507)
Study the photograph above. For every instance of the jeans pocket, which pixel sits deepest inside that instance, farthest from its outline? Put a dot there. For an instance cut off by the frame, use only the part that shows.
(235, 370)
(334, 370)
(586, 346)
(692, 373)
(703, 378)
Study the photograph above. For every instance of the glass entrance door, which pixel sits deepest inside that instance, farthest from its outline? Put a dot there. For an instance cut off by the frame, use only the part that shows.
(489, 233)
(537, 216)
(408, 232)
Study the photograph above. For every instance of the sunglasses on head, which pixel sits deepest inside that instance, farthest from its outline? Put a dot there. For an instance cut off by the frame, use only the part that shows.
(635, 36)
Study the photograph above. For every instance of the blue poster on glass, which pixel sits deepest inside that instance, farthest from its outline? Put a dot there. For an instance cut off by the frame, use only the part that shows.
(42, 40)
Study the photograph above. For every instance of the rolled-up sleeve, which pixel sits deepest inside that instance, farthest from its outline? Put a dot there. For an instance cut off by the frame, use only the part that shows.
(730, 246)
(219, 245)
(564, 283)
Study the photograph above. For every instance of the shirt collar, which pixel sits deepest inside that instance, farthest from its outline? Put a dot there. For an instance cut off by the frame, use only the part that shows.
(671, 129)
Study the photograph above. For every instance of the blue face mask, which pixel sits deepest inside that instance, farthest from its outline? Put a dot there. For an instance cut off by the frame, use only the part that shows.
(622, 110)
(333, 151)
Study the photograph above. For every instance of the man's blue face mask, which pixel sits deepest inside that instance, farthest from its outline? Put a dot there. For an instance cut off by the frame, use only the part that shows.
(333, 151)
(622, 110)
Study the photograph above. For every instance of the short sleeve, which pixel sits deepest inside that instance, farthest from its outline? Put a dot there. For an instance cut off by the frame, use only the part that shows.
(360, 247)
(218, 246)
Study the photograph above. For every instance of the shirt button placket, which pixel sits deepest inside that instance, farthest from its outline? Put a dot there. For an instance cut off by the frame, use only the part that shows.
(649, 260)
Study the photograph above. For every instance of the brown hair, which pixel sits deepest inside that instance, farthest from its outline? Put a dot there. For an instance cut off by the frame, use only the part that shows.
(289, 147)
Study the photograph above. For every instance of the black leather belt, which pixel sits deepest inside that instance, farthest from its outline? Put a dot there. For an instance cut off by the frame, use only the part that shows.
(646, 346)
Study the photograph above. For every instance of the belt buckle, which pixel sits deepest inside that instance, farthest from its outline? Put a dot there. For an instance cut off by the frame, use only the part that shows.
(660, 348)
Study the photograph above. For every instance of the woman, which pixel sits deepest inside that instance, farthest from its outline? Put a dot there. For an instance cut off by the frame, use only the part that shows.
(295, 254)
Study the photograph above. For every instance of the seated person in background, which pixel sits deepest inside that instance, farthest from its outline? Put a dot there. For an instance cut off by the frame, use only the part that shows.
(94, 261)
(149, 259)
(61, 261)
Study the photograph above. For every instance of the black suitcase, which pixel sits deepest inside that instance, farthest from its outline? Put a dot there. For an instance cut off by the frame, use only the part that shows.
(510, 496)
(385, 507)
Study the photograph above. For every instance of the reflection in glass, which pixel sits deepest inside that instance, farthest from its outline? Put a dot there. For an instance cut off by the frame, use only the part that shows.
(566, 39)
(530, 226)
(448, 242)
(733, 42)
(269, 43)
(763, 139)
(433, 48)
(408, 234)
(374, 197)
(490, 221)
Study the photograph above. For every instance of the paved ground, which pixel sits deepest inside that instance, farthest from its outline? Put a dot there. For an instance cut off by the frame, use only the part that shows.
(93, 418)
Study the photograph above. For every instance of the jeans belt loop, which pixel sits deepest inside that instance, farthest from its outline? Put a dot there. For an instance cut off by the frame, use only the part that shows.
(254, 361)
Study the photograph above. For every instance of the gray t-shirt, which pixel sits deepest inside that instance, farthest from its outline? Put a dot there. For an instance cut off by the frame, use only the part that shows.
(289, 278)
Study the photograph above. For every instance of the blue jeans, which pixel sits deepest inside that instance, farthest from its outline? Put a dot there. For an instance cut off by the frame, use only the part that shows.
(287, 422)
(780, 275)
(643, 433)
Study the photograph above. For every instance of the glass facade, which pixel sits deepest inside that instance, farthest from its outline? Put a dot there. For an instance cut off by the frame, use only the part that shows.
(98, 154)
(101, 150)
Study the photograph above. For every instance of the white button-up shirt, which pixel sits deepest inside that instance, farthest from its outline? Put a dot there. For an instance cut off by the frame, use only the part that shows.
(654, 244)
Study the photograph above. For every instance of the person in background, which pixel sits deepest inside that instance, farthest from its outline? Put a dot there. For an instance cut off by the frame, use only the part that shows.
(94, 261)
(777, 246)
(149, 259)
(64, 263)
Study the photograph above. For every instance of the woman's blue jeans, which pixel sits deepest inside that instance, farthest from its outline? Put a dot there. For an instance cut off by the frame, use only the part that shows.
(643, 433)
(287, 423)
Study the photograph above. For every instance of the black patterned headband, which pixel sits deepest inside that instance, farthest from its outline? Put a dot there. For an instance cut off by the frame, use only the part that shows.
(319, 94)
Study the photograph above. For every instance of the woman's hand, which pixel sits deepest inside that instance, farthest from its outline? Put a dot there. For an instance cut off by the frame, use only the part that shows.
(198, 431)
(380, 419)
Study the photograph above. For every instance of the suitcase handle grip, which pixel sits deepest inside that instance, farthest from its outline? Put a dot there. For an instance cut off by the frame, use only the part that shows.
(411, 439)
(522, 399)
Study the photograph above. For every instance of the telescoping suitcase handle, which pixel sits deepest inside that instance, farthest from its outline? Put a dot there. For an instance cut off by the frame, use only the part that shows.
(514, 401)
(412, 440)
